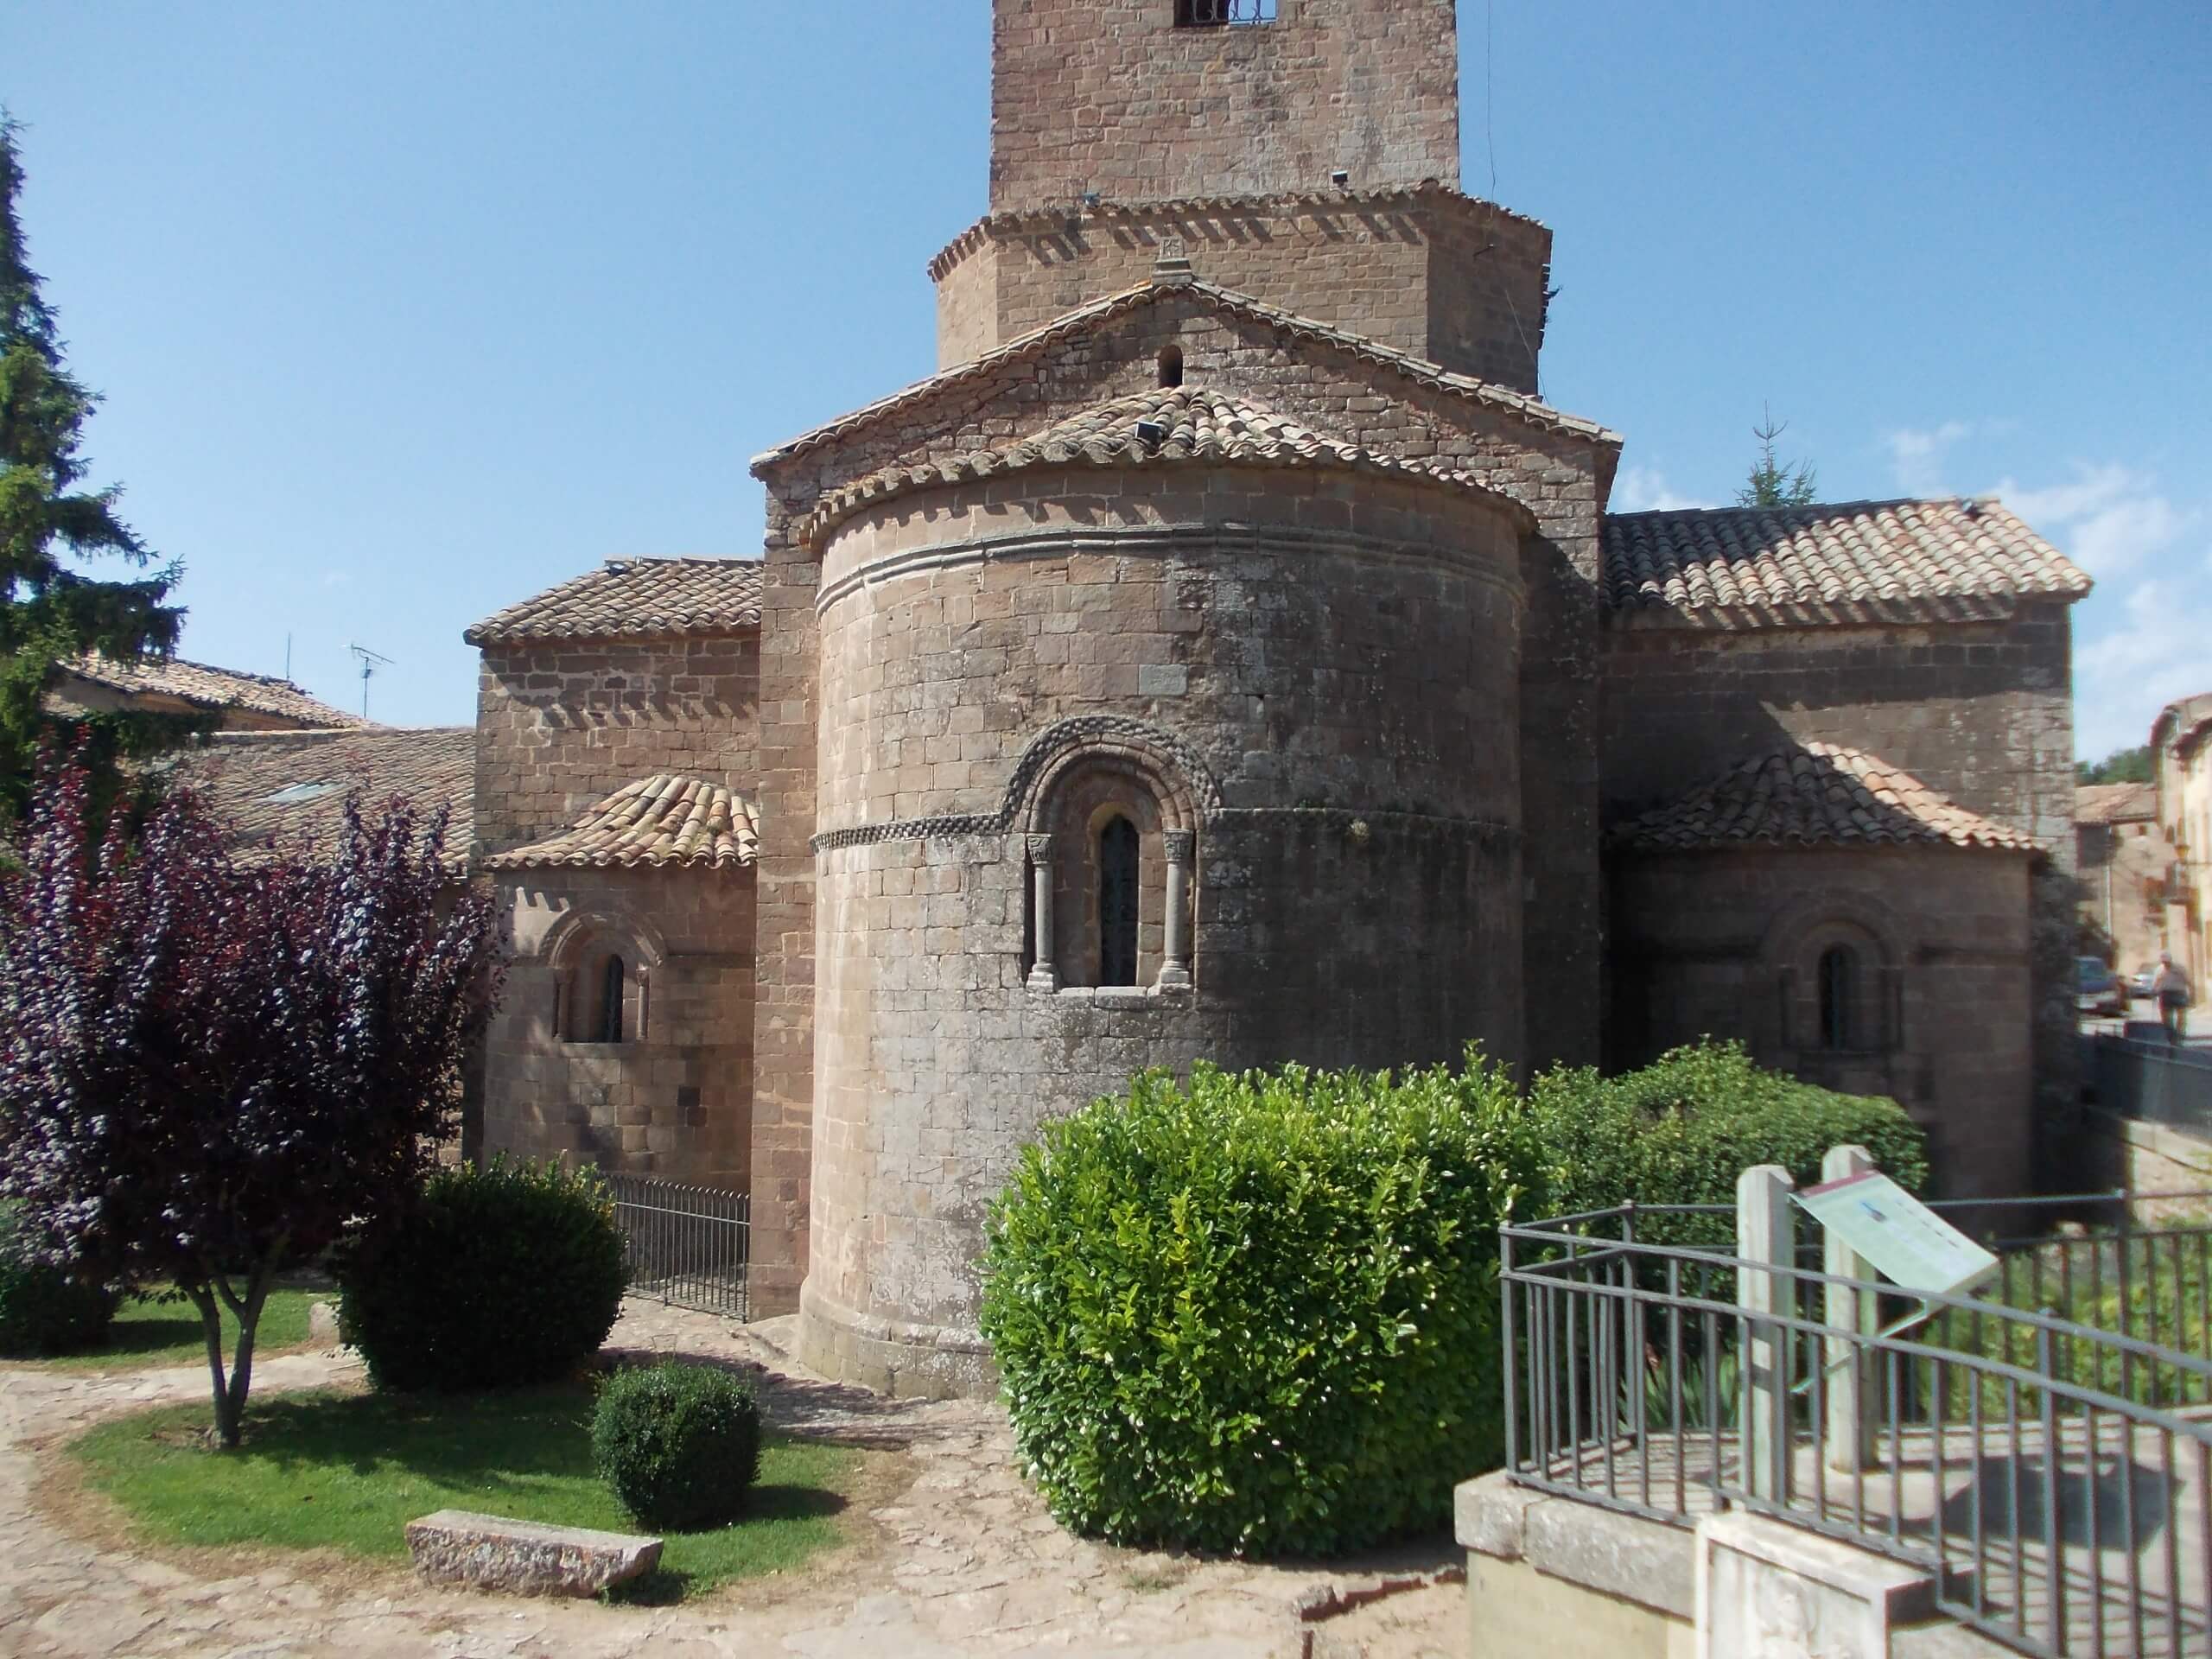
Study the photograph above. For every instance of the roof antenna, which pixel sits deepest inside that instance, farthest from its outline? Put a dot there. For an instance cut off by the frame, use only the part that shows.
(369, 661)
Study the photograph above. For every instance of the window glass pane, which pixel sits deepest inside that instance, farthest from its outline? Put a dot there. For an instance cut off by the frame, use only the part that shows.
(1117, 903)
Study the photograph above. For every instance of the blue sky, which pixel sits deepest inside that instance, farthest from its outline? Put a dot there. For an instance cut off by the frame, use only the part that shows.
(404, 311)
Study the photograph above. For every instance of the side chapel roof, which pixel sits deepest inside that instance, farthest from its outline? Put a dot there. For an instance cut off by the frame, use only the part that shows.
(1822, 795)
(662, 822)
(1862, 561)
(1158, 425)
(632, 599)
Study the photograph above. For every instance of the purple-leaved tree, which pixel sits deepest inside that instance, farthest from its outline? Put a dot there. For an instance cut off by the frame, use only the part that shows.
(211, 1067)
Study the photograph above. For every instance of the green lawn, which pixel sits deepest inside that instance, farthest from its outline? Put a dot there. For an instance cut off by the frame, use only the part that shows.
(348, 1472)
(169, 1333)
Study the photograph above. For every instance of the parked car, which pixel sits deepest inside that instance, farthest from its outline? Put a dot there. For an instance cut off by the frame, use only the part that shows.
(2099, 990)
(2143, 981)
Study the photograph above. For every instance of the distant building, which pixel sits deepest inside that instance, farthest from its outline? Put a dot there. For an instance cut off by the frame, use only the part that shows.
(242, 703)
(2123, 862)
(2181, 758)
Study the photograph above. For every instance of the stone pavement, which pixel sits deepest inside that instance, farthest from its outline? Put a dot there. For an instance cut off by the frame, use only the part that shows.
(965, 1560)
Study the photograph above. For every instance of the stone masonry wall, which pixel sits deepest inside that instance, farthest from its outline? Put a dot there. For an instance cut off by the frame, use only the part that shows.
(1559, 475)
(562, 724)
(1726, 945)
(674, 1099)
(1114, 99)
(1342, 666)
(1428, 272)
(1982, 713)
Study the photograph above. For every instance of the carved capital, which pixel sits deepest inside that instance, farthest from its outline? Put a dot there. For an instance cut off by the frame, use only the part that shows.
(1181, 844)
(1038, 848)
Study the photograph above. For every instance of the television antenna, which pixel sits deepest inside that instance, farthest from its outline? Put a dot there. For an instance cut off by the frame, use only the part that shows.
(369, 661)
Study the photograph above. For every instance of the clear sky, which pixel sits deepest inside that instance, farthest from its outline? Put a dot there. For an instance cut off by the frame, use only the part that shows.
(404, 311)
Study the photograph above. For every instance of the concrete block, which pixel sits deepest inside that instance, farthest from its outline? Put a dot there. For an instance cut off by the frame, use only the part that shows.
(519, 1557)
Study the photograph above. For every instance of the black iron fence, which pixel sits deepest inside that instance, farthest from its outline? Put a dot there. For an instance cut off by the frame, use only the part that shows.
(687, 1245)
(2153, 1081)
(2050, 1465)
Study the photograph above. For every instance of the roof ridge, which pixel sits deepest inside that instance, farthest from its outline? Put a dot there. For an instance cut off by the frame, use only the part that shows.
(1818, 506)
(1419, 370)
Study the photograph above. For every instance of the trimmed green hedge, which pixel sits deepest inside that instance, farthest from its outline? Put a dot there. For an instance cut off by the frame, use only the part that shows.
(42, 1311)
(497, 1276)
(1259, 1312)
(679, 1445)
(1681, 1129)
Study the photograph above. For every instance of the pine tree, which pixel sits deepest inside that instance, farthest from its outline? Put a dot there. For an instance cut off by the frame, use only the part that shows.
(1770, 483)
(51, 610)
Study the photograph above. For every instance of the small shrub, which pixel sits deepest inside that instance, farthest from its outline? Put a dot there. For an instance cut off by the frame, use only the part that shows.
(678, 1444)
(494, 1277)
(1260, 1313)
(42, 1311)
(1682, 1128)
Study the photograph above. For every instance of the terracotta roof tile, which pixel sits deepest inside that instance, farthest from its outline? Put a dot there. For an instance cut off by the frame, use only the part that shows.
(266, 784)
(632, 598)
(211, 688)
(1822, 795)
(1150, 428)
(662, 820)
(2115, 803)
(1861, 561)
(1222, 299)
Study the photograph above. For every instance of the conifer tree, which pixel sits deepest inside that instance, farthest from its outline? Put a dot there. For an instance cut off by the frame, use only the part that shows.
(51, 609)
(1772, 484)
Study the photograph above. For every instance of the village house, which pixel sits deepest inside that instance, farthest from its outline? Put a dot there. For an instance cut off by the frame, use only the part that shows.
(2181, 762)
(1228, 654)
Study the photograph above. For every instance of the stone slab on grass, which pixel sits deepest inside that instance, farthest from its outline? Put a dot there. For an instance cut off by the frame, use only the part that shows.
(522, 1558)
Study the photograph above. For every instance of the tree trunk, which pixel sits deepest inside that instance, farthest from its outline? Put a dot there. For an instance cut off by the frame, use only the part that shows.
(231, 1392)
(211, 1321)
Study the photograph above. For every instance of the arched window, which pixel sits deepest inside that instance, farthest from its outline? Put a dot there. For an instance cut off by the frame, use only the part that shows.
(610, 1001)
(1842, 1018)
(1117, 902)
(1171, 366)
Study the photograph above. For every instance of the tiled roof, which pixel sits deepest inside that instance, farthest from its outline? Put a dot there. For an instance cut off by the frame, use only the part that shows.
(660, 821)
(635, 599)
(1222, 299)
(266, 784)
(1054, 221)
(2115, 803)
(1822, 795)
(211, 688)
(1183, 424)
(1861, 561)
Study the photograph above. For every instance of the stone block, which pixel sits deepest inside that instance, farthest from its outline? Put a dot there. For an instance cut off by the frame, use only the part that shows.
(1768, 1588)
(519, 1557)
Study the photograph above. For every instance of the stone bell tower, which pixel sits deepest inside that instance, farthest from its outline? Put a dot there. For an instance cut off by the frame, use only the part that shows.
(1306, 151)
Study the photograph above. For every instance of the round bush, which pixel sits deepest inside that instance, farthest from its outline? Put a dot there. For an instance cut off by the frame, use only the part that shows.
(1681, 1129)
(1260, 1313)
(494, 1277)
(678, 1444)
(43, 1311)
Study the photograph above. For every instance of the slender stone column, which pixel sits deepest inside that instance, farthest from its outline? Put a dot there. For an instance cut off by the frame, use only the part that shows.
(1043, 976)
(1175, 970)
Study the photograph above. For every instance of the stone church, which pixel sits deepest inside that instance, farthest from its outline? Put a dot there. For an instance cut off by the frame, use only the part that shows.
(1228, 654)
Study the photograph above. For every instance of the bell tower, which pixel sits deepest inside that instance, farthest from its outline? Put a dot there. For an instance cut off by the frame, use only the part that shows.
(1307, 152)
(1151, 100)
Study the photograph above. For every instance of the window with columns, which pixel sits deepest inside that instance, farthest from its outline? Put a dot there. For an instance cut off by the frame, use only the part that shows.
(1108, 903)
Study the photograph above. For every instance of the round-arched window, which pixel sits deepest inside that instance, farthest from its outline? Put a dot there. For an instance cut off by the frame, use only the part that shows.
(1842, 1008)
(1117, 902)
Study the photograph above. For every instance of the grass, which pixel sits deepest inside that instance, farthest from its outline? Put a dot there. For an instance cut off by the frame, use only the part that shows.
(348, 1471)
(147, 1333)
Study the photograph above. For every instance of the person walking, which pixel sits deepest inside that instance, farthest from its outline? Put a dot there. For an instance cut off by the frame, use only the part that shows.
(2175, 994)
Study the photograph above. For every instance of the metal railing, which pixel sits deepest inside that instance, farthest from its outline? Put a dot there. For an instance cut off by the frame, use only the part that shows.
(687, 1245)
(1199, 14)
(2152, 1081)
(2049, 1466)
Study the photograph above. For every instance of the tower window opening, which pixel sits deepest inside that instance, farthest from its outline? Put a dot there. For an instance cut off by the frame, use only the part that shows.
(1840, 1017)
(610, 1001)
(1209, 14)
(1117, 902)
(1171, 366)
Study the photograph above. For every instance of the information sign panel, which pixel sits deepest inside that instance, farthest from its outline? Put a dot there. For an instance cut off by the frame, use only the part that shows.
(1899, 1236)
